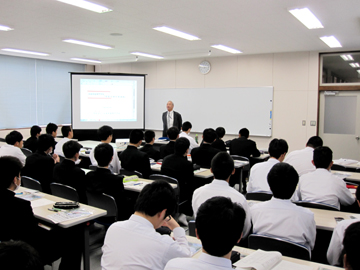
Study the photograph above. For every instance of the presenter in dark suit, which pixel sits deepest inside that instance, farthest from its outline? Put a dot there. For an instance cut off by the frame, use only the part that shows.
(171, 118)
(203, 155)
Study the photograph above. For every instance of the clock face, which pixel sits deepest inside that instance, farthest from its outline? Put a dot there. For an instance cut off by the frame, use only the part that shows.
(204, 67)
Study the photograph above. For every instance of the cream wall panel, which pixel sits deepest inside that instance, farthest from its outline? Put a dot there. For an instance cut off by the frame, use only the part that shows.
(312, 113)
(148, 68)
(166, 72)
(255, 70)
(313, 71)
(188, 74)
(223, 72)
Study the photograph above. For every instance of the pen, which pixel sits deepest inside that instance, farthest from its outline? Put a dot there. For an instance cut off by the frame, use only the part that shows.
(51, 209)
(137, 184)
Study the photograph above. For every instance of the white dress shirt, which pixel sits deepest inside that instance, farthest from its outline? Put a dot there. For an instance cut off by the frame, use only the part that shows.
(192, 141)
(323, 187)
(336, 246)
(59, 146)
(204, 262)
(283, 219)
(221, 188)
(114, 166)
(258, 176)
(301, 160)
(10, 150)
(170, 119)
(134, 244)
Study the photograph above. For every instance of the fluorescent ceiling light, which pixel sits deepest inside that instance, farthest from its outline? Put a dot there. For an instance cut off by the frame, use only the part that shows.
(225, 48)
(331, 41)
(147, 55)
(176, 33)
(86, 5)
(354, 65)
(86, 60)
(358, 71)
(307, 18)
(23, 51)
(5, 28)
(79, 42)
(347, 57)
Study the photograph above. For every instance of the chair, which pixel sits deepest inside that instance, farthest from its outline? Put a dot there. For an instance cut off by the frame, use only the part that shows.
(285, 247)
(245, 170)
(64, 191)
(31, 183)
(192, 227)
(92, 167)
(316, 205)
(129, 173)
(337, 167)
(106, 202)
(258, 196)
(26, 152)
(2, 140)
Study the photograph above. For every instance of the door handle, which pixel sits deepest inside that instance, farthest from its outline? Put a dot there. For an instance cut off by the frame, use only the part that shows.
(357, 138)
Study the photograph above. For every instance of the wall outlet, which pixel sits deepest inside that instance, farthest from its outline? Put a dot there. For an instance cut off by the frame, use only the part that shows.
(303, 122)
(312, 123)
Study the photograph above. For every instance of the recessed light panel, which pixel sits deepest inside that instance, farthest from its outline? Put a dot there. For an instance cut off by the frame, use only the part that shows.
(331, 41)
(87, 5)
(176, 33)
(86, 60)
(5, 28)
(225, 48)
(307, 18)
(23, 51)
(354, 65)
(347, 57)
(84, 43)
(147, 55)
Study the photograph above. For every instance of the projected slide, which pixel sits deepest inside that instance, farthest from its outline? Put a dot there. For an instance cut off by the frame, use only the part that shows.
(108, 100)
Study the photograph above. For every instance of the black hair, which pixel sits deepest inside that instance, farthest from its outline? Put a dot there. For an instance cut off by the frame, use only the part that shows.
(149, 136)
(351, 245)
(71, 148)
(103, 154)
(314, 141)
(65, 130)
(222, 165)
(50, 128)
(186, 126)
(104, 132)
(181, 145)
(10, 167)
(136, 135)
(45, 141)
(219, 223)
(156, 197)
(277, 147)
(244, 132)
(35, 130)
(220, 132)
(322, 157)
(209, 135)
(282, 180)
(173, 133)
(13, 137)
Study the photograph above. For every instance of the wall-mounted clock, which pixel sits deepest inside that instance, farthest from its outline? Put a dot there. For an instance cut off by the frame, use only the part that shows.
(204, 67)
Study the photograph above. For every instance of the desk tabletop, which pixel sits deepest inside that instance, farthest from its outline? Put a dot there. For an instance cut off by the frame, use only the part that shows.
(347, 163)
(349, 176)
(93, 144)
(202, 173)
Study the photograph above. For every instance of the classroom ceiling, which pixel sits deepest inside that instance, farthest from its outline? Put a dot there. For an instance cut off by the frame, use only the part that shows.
(251, 26)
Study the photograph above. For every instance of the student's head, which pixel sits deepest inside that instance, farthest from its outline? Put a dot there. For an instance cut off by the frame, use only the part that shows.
(10, 168)
(149, 136)
(244, 132)
(14, 138)
(186, 126)
(104, 132)
(314, 141)
(209, 135)
(181, 146)
(170, 105)
(67, 132)
(156, 197)
(51, 129)
(103, 154)
(282, 180)
(71, 148)
(351, 247)
(219, 225)
(136, 136)
(173, 133)
(220, 132)
(278, 147)
(35, 131)
(222, 166)
(45, 142)
(18, 255)
(322, 157)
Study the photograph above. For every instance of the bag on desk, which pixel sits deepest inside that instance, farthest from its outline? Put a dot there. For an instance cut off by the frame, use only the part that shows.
(66, 205)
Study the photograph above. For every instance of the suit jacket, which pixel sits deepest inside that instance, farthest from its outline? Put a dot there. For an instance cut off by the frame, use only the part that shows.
(177, 122)
(219, 144)
(67, 173)
(134, 160)
(203, 155)
(150, 151)
(167, 149)
(31, 144)
(243, 147)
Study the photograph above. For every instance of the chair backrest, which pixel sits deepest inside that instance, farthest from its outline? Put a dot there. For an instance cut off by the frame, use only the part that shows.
(286, 248)
(2, 140)
(192, 227)
(241, 158)
(92, 167)
(337, 167)
(258, 196)
(103, 201)
(26, 152)
(29, 182)
(129, 173)
(168, 179)
(316, 205)
(64, 191)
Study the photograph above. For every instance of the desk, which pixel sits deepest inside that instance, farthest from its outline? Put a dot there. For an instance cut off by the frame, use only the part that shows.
(202, 173)
(138, 185)
(349, 176)
(93, 144)
(346, 164)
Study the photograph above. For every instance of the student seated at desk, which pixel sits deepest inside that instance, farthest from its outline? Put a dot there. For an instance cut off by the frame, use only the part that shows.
(321, 186)
(134, 243)
(279, 217)
(203, 155)
(258, 173)
(13, 147)
(31, 143)
(243, 146)
(169, 148)
(148, 148)
(51, 129)
(351, 247)
(219, 223)
(219, 143)
(68, 134)
(185, 131)
(134, 160)
(222, 166)
(105, 134)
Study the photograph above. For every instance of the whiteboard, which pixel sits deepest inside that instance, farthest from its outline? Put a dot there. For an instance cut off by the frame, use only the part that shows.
(231, 108)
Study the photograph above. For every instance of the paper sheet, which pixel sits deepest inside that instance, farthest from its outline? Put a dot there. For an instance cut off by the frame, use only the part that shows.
(41, 202)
